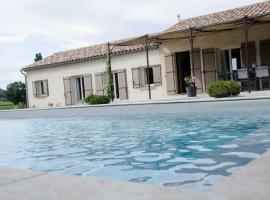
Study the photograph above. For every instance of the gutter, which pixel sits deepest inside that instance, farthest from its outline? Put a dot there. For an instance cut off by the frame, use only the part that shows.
(26, 86)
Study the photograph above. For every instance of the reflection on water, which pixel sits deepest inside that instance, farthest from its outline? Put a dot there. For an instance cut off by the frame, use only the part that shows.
(194, 150)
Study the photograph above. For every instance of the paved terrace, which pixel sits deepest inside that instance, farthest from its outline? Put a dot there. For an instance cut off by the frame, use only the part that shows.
(251, 182)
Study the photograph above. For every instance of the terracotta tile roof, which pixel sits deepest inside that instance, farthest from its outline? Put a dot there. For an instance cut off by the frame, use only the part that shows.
(82, 54)
(254, 10)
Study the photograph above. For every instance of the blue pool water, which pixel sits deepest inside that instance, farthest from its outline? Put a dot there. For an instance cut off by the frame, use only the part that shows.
(193, 150)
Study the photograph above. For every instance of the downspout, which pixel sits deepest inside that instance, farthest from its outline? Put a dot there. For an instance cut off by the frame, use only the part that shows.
(26, 86)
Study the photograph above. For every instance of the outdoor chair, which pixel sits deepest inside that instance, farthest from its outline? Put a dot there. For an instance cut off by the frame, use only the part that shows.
(242, 77)
(261, 74)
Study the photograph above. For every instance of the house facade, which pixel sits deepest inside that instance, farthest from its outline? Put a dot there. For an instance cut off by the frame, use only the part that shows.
(219, 50)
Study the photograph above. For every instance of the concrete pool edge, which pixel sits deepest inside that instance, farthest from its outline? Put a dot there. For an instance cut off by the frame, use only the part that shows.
(235, 105)
(250, 182)
(148, 102)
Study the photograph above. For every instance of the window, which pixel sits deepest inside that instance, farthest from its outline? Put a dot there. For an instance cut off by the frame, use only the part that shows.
(151, 76)
(40, 88)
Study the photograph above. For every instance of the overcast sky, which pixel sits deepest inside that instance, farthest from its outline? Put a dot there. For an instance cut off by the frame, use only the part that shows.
(48, 26)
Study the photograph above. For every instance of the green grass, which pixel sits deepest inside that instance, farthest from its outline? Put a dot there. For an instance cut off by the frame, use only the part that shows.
(6, 105)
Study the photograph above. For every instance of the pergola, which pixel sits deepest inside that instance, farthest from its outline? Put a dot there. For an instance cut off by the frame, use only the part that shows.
(190, 33)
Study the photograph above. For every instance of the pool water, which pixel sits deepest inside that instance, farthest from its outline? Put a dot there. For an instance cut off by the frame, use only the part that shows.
(187, 149)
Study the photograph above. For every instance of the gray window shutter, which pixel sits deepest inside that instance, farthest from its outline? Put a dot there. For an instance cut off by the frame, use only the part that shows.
(209, 64)
(157, 75)
(38, 88)
(67, 91)
(99, 80)
(170, 75)
(46, 87)
(198, 69)
(88, 88)
(136, 77)
(251, 54)
(122, 84)
(265, 52)
(34, 89)
(142, 76)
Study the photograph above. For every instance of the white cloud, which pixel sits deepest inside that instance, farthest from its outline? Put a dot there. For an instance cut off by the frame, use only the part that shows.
(5, 39)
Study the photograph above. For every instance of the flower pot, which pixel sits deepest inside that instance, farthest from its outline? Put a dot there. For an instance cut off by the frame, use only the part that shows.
(191, 91)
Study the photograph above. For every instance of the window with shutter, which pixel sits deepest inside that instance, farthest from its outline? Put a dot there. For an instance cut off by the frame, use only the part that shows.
(87, 85)
(136, 77)
(40, 88)
(170, 75)
(157, 75)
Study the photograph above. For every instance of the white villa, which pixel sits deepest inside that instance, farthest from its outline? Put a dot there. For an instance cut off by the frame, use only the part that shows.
(213, 47)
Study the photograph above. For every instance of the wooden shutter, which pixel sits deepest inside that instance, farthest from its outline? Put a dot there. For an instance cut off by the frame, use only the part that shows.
(99, 83)
(170, 75)
(122, 84)
(34, 89)
(198, 69)
(67, 91)
(157, 75)
(46, 87)
(209, 63)
(136, 77)
(251, 54)
(88, 87)
(265, 52)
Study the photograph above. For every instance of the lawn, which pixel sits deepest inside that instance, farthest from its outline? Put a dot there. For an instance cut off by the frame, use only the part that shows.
(6, 105)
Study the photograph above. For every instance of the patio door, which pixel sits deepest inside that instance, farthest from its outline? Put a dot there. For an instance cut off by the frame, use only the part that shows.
(120, 85)
(230, 61)
(183, 70)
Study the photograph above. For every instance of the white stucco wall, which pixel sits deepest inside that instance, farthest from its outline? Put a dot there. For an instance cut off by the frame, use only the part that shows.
(55, 76)
(222, 40)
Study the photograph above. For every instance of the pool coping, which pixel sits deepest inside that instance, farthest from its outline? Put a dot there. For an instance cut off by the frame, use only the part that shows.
(147, 102)
(249, 182)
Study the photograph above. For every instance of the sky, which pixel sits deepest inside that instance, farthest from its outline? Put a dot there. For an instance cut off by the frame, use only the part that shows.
(48, 26)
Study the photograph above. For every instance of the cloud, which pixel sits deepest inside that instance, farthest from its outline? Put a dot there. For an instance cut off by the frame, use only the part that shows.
(6, 39)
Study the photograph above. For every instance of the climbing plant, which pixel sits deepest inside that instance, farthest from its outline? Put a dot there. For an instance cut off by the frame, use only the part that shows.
(109, 78)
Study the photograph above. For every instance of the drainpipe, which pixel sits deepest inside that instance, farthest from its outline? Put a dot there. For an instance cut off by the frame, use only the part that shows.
(26, 87)
(147, 61)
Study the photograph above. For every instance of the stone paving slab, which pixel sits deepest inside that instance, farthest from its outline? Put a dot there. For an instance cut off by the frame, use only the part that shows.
(251, 182)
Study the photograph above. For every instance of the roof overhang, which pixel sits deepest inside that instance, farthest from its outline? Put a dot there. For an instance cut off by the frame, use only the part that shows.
(166, 36)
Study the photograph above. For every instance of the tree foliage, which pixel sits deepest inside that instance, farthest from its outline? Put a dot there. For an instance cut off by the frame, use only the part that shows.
(16, 92)
(2, 94)
(38, 57)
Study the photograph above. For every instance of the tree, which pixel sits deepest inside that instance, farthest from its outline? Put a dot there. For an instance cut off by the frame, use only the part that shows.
(16, 92)
(38, 57)
(2, 94)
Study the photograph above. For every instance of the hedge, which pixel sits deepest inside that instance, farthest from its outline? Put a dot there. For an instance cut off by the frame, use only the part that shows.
(221, 89)
(95, 99)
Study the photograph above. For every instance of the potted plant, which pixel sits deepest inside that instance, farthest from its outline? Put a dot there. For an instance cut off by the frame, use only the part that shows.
(191, 88)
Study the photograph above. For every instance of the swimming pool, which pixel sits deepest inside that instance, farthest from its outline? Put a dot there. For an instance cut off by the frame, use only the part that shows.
(195, 149)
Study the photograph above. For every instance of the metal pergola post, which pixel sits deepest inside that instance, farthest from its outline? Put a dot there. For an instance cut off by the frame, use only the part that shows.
(110, 67)
(246, 50)
(191, 40)
(147, 62)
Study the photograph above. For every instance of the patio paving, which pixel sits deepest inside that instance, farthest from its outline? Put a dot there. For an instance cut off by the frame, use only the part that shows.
(251, 182)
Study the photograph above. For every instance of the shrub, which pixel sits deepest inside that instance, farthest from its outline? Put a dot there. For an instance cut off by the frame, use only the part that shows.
(94, 99)
(20, 105)
(222, 89)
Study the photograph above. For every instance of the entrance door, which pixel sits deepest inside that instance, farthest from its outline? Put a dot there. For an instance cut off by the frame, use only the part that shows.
(183, 70)
(115, 86)
(80, 91)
